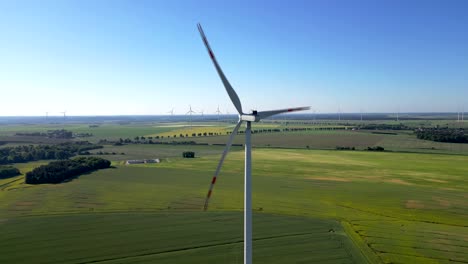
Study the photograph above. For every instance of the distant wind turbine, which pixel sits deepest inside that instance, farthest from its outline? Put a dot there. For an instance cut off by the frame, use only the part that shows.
(398, 114)
(254, 116)
(218, 112)
(190, 112)
(64, 115)
(227, 115)
(171, 112)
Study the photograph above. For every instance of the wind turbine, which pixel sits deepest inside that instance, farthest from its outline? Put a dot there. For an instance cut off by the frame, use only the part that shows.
(254, 116)
(64, 115)
(171, 112)
(218, 112)
(202, 113)
(227, 116)
(190, 113)
(398, 114)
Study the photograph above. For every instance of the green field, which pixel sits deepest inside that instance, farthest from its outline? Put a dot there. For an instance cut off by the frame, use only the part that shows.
(188, 237)
(403, 141)
(310, 206)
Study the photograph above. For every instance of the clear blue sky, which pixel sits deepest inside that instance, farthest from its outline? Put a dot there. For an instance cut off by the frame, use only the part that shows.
(146, 57)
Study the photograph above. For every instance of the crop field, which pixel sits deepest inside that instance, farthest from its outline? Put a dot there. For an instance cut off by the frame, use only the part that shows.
(309, 206)
(313, 139)
(188, 237)
(166, 152)
(402, 141)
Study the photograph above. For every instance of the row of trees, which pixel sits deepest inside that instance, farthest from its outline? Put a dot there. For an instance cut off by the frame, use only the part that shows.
(59, 171)
(451, 135)
(383, 127)
(59, 133)
(154, 140)
(344, 148)
(150, 141)
(27, 153)
(8, 172)
(376, 148)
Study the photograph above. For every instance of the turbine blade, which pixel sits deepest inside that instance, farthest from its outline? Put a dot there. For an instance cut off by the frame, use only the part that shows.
(265, 114)
(232, 94)
(220, 164)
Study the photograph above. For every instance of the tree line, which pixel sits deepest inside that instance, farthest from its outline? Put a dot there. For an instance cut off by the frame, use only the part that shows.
(26, 153)
(451, 135)
(384, 127)
(59, 171)
(8, 172)
(155, 139)
(59, 133)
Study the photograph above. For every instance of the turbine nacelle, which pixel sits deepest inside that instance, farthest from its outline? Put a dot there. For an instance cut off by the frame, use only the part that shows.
(249, 118)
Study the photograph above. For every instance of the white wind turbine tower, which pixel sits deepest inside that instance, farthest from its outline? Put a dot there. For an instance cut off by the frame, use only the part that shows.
(255, 116)
(64, 118)
(202, 112)
(398, 114)
(218, 112)
(171, 112)
(190, 112)
(227, 116)
(64, 115)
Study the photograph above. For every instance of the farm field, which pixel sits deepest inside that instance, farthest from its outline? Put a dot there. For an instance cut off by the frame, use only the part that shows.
(403, 140)
(310, 206)
(186, 237)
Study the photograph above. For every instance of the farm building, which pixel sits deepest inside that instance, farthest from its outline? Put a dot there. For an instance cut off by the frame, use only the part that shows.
(129, 162)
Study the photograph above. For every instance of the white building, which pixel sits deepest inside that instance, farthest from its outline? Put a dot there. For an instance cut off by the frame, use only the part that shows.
(129, 162)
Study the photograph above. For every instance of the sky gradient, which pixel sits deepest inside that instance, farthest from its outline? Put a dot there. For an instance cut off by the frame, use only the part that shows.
(146, 57)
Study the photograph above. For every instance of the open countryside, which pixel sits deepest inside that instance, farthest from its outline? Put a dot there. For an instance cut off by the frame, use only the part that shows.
(407, 204)
(329, 132)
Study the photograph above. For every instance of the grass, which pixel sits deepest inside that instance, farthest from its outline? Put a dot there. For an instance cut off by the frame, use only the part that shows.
(187, 131)
(381, 207)
(404, 141)
(189, 237)
(166, 152)
(313, 139)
